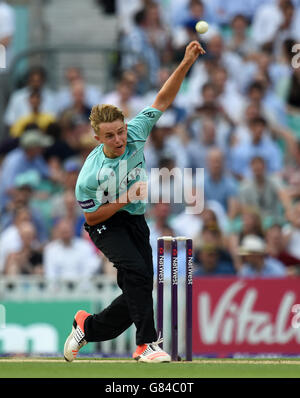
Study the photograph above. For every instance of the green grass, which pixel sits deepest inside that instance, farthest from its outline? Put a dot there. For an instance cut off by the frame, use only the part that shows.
(82, 368)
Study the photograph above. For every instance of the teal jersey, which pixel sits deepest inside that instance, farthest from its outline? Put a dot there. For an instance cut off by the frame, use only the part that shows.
(102, 179)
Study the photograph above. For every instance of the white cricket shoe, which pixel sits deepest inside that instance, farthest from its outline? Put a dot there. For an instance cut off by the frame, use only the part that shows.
(151, 353)
(75, 341)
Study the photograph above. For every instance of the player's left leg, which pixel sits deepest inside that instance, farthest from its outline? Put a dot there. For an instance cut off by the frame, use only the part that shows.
(76, 339)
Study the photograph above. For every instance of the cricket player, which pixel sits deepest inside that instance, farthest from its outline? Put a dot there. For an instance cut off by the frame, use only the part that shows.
(112, 192)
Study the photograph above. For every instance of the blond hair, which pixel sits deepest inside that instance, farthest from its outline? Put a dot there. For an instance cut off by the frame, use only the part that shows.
(104, 114)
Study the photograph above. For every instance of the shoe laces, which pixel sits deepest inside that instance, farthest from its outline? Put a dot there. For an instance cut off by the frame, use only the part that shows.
(157, 342)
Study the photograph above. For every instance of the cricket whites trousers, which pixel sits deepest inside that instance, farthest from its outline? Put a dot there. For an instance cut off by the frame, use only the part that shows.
(124, 240)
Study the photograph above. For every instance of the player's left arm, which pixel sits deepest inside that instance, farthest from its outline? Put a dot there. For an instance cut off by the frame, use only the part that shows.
(169, 90)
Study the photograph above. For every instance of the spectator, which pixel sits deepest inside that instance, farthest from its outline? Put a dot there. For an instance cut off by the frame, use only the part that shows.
(266, 65)
(191, 224)
(272, 107)
(28, 260)
(240, 40)
(206, 139)
(158, 33)
(163, 143)
(292, 98)
(7, 29)
(285, 138)
(241, 133)
(220, 57)
(227, 94)
(180, 11)
(170, 183)
(175, 136)
(290, 173)
(185, 31)
(224, 12)
(256, 263)
(276, 247)
(73, 74)
(218, 185)
(182, 36)
(66, 134)
(72, 168)
(291, 231)
(288, 27)
(86, 144)
(273, 17)
(124, 96)
(64, 205)
(159, 218)
(27, 157)
(19, 106)
(10, 240)
(126, 12)
(41, 119)
(191, 97)
(67, 257)
(211, 110)
(79, 109)
(260, 144)
(179, 114)
(281, 70)
(142, 84)
(25, 189)
(264, 192)
(210, 234)
(196, 10)
(249, 223)
(211, 260)
(137, 46)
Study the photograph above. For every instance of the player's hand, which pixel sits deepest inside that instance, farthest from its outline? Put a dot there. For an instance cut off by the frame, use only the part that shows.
(192, 51)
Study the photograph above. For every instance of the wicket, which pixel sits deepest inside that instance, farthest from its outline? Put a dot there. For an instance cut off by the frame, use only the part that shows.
(174, 292)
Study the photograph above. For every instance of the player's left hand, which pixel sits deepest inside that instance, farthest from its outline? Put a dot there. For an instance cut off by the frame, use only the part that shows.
(192, 51)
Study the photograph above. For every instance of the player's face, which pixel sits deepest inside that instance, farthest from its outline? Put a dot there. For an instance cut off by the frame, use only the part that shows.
(113, 136)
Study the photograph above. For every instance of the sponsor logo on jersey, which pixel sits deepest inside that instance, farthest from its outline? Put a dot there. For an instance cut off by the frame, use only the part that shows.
(149, 114)
(87, 204)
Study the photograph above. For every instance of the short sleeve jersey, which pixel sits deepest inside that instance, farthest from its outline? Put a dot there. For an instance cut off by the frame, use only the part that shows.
(102, 179)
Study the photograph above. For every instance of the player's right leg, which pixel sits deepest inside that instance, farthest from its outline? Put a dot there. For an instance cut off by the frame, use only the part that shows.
(151, 353)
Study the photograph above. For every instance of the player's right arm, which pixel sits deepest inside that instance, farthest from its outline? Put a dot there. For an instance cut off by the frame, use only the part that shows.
(137, 191)
(169, 90)
(103, 213)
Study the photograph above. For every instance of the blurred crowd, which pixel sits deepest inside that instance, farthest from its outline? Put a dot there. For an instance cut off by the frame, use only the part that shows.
(237, 116)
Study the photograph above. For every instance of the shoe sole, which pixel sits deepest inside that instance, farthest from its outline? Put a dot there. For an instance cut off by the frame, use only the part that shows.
(155, 360)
